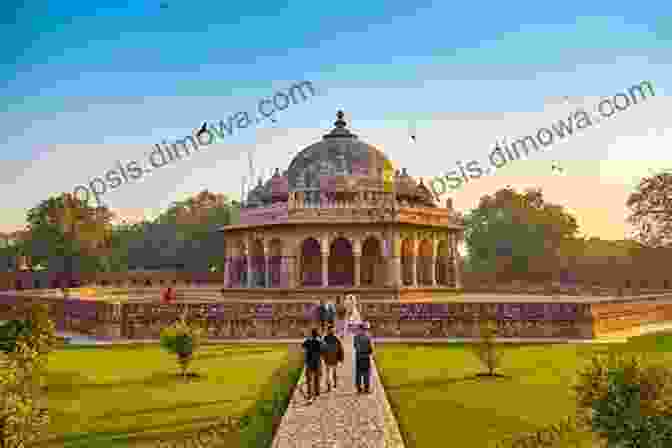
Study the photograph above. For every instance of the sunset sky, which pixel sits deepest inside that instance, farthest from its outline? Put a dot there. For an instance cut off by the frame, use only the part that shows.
(87, 84)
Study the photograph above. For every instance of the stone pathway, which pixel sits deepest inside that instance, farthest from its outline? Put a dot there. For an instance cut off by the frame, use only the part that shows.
(341, 418)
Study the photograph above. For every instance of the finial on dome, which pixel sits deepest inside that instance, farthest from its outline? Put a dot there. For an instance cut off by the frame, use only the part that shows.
(340, 130)
(277, 172)
(340, 123)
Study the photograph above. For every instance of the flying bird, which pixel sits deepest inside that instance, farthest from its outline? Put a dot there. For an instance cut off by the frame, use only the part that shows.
(411, 131)
(557, 168)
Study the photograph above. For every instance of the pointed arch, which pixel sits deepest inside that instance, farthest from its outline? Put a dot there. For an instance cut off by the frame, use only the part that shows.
(311, 262)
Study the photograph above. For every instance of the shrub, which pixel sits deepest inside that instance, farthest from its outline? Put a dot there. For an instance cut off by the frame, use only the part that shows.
(10, 332)
(625, 402)
(183, 339)
(487, 350)
(23, 415)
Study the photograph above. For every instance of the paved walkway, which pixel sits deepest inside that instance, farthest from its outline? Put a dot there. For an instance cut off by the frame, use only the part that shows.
(341, 418)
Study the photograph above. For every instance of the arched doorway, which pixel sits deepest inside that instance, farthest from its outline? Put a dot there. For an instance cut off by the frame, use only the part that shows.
(258, 264)
(407, 262)
(311, 263)
(425, 263)
(371, 263)
(275, 263)
(341, 263)
(441, 264)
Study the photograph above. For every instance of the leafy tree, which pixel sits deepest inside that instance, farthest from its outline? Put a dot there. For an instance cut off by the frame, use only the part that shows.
(196, 221)
(487, 350)
(122, 238)
(625, 402)
(23, 418)
(183, 339)
(510, 232)
(651, 210)
(65, 227)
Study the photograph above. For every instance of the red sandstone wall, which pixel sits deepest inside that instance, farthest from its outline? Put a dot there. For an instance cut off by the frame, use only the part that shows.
(39, 280)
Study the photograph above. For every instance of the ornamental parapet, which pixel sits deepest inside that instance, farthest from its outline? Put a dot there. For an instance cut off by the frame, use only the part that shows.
(347, 212)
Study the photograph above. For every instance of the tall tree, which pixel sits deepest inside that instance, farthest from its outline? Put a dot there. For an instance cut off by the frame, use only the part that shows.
(509, 231)
(651, 210)
(66, 227)
(196, 220)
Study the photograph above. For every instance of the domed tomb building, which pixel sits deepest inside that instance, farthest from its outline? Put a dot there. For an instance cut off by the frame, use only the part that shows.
(341, 220)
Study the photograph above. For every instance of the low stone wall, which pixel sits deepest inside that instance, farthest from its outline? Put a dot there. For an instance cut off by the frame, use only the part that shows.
(49, 280)
(536, 317)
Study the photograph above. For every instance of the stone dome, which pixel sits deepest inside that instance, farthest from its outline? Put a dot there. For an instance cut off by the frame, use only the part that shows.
(343, 165)
(338, 154)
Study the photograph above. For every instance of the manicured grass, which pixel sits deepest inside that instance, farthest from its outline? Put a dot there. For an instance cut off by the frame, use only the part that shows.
(121, 396)
(438, 402)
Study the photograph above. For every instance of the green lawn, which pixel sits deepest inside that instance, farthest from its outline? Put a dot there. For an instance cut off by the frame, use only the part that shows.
(120, 396)
(436, 399)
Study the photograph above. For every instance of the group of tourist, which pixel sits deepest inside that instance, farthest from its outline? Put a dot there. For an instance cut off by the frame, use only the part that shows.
(328, 349)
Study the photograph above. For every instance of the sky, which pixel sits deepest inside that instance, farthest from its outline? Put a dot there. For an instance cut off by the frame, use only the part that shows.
(86, 84)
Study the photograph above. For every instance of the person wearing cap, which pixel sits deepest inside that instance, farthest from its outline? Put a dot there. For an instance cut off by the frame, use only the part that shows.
(363, 351)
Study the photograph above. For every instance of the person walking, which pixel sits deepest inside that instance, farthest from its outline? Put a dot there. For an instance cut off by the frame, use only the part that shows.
(331, 313)
(313, 351)
(363, 351)
(332, 357)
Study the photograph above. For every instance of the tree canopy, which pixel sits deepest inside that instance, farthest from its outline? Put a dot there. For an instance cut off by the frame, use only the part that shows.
(62, 230)
(651, 210)
(509, 229)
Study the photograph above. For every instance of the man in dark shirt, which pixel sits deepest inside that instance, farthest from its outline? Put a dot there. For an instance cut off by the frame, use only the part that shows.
(363, 352)
(313, 349)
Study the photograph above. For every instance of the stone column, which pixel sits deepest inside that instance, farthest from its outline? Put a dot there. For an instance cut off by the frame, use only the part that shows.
(325, 269)
(290, 267)
(250, 269)
(456, 264)
(432, 271)
(324, 248)
(357, 258)
(227, 270)
(267, 266)
(283, 271)
(414, 263)
(395, 260)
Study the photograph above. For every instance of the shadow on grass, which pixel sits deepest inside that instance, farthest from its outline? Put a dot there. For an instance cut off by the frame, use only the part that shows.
(195, 405)
(131, 435)
(156, 379)
(231, 354)
(428, 384)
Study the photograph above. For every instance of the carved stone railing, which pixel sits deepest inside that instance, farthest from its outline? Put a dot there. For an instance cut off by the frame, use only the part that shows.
(264, 215)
